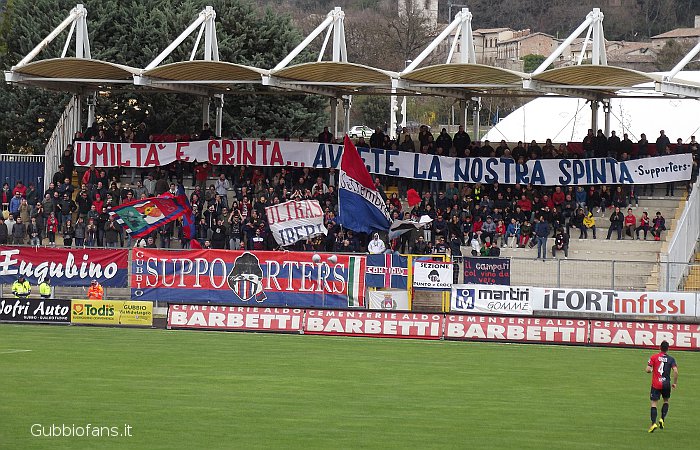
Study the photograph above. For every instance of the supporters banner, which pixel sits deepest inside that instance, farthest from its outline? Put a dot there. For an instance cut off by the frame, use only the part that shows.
(251, 152)
(373, 324)
(594, 301)
(209, 317)
(680, 336)
(295, 221)
(516, 329)
(491, 299)
(388, 270)
(296, 279)
(65, 266)
(112, 312)
(487, 271)
(433, 275)
(393, 299)
(34, 310)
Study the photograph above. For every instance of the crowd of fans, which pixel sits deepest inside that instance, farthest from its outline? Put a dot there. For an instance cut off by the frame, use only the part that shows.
(230, 211)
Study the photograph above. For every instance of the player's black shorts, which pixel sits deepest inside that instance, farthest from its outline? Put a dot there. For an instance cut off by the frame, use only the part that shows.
(656, 394)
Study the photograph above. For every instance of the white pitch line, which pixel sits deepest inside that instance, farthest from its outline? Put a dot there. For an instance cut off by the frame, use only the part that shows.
(2, 352)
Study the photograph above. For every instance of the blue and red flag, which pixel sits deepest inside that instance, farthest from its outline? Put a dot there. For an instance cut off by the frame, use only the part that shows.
(142, 217)
(388, 270)
(188, 231)
(361, 207)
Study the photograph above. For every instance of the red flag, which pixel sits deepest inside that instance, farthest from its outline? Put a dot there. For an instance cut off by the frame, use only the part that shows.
(412, 197)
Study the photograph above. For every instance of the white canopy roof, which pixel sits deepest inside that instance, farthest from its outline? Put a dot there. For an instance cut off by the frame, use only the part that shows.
(565, 119)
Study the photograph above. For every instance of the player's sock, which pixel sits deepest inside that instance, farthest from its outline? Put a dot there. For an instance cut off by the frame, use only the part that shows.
(664, 410)
(653, 414)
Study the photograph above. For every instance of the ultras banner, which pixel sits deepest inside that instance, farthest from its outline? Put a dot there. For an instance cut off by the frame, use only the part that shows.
(252, 152)
(262, 279)
(229, 318)
(65, 266)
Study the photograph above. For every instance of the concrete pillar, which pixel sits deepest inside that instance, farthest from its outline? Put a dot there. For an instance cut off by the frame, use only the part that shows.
(334, 116)
(594, 116)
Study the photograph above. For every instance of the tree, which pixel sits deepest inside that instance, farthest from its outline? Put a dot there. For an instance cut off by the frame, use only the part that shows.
(133, 32)
(672, 52)
(374, 110)
(532, 62)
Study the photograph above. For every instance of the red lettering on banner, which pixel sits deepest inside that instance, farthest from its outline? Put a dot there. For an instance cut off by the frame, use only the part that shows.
(122, 162)
(264, 145)
(379, 324)
(82, 154)
(139, 148)
(276, 157)
(180, 151)
(100, 150)
(235, 318)
(519, 329)
(152, 157)
(645, 334)
(246, 155)
(228, 153)
(213, 152)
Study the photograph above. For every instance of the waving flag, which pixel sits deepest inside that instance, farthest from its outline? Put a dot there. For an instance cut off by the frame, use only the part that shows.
(360, 206)
(188, 230)
(141, 217)
(388, 270)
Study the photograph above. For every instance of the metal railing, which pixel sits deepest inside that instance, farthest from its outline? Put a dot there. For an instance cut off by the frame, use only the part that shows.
(581, 273)
(62, 135)
(681, 247)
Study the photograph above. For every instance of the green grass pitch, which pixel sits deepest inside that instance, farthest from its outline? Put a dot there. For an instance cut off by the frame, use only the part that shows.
(188, 389)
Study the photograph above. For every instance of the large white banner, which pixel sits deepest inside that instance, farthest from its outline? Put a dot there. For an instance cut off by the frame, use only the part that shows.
(433, 275)
(294, 221)
(491, 299)
(594, 301)
(393, 299)
(418, 166)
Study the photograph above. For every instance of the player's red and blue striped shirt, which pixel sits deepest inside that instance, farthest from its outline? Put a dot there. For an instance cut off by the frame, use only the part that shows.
(661, 365)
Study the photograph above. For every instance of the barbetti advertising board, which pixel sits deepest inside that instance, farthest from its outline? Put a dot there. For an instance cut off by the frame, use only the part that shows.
(260, 279)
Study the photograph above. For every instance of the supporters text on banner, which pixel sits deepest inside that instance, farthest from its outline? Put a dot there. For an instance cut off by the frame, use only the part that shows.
(261, 279)
(295, 221)
(491, 299)
(487, 271)
(209, 317)
(251, 152)
(65, 266)
(112, 312)
(34, 310)
(516, 329)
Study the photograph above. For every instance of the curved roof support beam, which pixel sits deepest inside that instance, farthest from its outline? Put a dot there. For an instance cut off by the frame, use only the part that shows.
(205, 20)
(594, 22)
(463, 24)
(77, 19)
(683, 62)
(334, 22)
